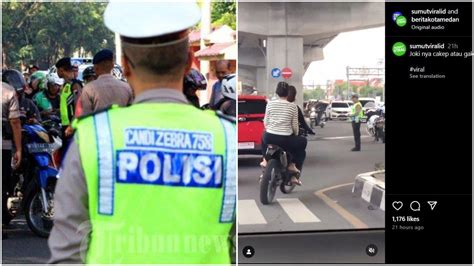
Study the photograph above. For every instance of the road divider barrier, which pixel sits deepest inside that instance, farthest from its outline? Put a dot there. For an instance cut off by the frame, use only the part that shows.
(370, 188)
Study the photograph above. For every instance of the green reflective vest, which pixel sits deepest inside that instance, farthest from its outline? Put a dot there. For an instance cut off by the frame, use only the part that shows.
(66, 104)
(356, 117)
(161, 181)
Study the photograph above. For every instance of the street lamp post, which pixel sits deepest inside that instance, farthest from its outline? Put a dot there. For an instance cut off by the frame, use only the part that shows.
(348, 83)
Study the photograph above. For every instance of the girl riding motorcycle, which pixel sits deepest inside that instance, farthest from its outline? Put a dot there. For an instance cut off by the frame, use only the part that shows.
(282, 129)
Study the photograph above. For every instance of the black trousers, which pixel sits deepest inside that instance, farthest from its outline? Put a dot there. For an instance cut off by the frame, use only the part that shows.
(356, 131)
(294, 145)
(7, 186)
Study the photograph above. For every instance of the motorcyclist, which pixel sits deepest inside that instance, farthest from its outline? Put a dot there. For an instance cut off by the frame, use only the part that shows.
(76, 84)
(302, 123)
(192, 82)
(227, 104)
(28, 110)
(281, 128)
(48, 100)
(36, 84)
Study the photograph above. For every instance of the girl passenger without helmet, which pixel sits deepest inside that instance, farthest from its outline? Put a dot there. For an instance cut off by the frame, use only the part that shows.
(281, 128)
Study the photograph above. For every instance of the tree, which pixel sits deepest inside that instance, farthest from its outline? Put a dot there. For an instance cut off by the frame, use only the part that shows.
(368, 91)
(316, 93)
(223, 13)
(41, 33)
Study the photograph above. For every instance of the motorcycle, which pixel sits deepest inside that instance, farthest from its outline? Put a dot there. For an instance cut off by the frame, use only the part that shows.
(276, 173)
(376, 124)
(315, 118)
(317, 114)
(37, 175)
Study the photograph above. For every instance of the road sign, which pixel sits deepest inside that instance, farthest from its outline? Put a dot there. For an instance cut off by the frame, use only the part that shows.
(286, 73)
(276, 72)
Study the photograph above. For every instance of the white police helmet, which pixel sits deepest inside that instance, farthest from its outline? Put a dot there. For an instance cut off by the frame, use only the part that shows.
(229, 86)
(150, 19)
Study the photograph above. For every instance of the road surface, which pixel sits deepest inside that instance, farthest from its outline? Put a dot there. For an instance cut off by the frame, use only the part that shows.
(325, 200)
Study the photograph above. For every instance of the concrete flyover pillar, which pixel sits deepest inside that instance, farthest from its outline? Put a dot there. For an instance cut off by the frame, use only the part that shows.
(284, 52)
(262, 77)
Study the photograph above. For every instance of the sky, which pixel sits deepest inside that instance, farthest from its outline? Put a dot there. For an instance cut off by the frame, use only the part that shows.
(362, 48)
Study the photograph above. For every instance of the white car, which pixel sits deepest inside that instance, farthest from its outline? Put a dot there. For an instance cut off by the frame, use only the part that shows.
(340, 110)
(364, 101)
(350, 103)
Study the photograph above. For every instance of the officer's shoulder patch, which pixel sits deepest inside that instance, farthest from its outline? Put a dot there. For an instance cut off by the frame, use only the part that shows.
(225, 117)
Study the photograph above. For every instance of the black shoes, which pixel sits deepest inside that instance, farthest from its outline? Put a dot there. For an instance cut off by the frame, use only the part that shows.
(355, 149)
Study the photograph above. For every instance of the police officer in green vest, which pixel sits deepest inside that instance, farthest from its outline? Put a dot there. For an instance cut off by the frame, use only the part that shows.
(154, 182)
(356, 116)
(66, 97)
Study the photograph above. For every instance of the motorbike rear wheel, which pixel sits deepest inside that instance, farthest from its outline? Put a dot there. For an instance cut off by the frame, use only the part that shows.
(381, 134)
(269, 182)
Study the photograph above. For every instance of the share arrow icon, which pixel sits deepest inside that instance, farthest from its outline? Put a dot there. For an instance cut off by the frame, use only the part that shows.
(432, 204)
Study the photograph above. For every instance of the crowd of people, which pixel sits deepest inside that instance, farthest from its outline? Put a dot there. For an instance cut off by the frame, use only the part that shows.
(34, 96)
(61, 94)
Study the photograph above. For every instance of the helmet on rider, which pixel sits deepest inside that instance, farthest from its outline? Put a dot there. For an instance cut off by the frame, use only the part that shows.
(88, 72)
(15, 79)
(37, 80)
(53, 78)
(229, 86)
(194, 80)
(117, 72)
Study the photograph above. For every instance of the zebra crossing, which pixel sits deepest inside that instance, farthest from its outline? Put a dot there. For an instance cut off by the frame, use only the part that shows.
(251, 213)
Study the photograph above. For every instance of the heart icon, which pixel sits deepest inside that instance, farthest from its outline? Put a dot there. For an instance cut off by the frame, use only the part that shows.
(397, 205)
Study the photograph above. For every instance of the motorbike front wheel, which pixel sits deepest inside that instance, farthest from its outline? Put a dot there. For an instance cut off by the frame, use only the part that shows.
(370, 130)
(39, 222)
(269, 182)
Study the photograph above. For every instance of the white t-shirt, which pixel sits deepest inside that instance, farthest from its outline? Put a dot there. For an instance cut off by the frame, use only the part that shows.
(281, 118)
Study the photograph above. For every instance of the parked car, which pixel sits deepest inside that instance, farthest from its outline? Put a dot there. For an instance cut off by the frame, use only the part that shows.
(340, 110)
(251, 111)
(350, 103)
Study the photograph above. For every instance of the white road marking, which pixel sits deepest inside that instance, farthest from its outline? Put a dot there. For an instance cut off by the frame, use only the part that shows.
(297, 211)
(249, 213)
